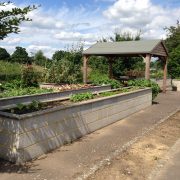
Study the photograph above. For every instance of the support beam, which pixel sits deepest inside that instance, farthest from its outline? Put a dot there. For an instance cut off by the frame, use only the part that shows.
(147, 69)
(165, 75)
(110, 61)
(85, 66)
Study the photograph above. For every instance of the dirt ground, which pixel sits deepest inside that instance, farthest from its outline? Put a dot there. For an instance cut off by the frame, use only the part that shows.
(138, 161)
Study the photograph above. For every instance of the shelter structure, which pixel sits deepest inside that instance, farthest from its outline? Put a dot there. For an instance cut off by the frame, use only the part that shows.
(144, 48)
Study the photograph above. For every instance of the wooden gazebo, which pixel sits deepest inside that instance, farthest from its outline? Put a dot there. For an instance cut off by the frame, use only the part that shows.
(145, 49)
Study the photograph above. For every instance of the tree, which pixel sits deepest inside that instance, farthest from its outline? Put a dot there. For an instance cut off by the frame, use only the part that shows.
(58, 55)
(40, 59)
(20, 55)
(66, 68)
(11, 19)
(173, 44)
(4, 55)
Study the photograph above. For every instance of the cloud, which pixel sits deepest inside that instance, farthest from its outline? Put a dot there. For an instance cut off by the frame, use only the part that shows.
(75, 36)
(54, 29)
(144, 15)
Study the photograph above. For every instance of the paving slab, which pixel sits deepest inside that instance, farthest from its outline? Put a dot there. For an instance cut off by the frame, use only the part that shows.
(85, 155)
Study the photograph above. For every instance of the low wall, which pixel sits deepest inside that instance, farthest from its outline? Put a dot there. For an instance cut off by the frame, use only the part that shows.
(176, 83)
(24, 137)
(11, 101)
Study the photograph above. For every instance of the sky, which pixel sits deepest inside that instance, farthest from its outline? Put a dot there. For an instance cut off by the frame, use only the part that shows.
(61, 24)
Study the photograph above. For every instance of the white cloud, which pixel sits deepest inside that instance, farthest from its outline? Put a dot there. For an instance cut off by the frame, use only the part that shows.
(53, 29)
(144, 15)
(75, 36)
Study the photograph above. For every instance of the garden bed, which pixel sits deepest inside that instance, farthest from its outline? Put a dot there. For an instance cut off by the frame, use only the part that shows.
(12, 101)
(26, 136)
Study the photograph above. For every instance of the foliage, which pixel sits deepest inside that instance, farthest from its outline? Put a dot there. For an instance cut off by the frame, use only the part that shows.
(122, 90)
(30, 77)
(20, 55)
(20, 108)
(104, 94)
(81, 97)
(101, 79)
(66, 70)
(40, 59)
(173, 44)
(9, 71)
(4, 55)
(174, 63)
(146, 83)
(157, 74)
(99, 64)
(58, 55)
(23, 91)
(35, 105)
(11, 19)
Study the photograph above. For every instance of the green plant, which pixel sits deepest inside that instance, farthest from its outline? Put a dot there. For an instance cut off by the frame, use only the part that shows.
(11, 18)
(23, 91)
(81, 97)
(102, 79)
(146, 83)
(20, 106)
(35, 105)
(30, 77)
(104, 94)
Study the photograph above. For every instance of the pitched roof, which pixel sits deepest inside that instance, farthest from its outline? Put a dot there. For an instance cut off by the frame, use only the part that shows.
(125, 48)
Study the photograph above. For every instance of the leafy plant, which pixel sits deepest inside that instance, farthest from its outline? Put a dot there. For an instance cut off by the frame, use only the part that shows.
(20, 106)
(81, 97)
(146, 83)
(104, 94)
(102, 79)
(30, 77)
(35, 105)
(23, 91)
(66, 67)
(12, 18)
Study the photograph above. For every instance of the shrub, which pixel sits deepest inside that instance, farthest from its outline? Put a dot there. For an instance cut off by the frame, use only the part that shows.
(102, 79)
(81, 97)
(30, 77)
(146, 83)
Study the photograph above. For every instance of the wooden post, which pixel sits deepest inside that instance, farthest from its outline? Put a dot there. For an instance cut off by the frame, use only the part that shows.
(147, 70)
(165, 75)
(85, 60)
(110, 68)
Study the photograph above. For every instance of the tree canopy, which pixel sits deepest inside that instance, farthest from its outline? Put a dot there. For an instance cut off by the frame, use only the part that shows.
(173, 45)
(20, 55)
(4, 55)
(11, 19)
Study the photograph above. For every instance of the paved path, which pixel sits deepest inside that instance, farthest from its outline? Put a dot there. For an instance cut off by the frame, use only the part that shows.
(86, 154)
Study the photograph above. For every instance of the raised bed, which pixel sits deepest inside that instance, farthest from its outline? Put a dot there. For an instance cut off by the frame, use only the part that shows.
(11, 101)
(27, 136)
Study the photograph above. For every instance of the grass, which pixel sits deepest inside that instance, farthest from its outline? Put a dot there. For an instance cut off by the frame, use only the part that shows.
(11, 70)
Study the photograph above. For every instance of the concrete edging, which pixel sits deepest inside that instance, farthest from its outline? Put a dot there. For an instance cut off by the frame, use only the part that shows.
(11, 101)
(30, 136)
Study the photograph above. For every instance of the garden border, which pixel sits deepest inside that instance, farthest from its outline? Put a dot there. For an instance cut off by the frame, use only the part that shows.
(25, 137)
(12, 101)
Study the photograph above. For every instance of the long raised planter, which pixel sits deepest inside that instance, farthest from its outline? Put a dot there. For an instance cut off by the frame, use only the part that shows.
(11, 101)
(25, 137)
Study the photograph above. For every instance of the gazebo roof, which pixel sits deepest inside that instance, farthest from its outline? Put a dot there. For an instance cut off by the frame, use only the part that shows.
(125, 48)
